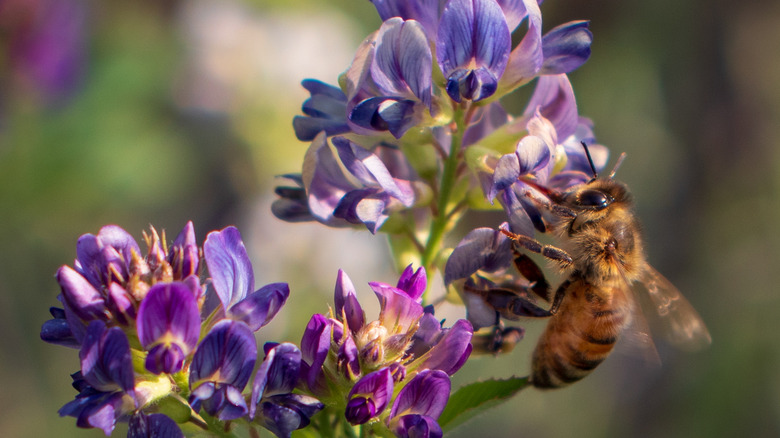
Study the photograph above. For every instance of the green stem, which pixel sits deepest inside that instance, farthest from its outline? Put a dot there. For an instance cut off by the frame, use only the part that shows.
(449, 176)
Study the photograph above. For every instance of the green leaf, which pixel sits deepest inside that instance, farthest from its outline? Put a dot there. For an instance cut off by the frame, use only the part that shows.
(477, 397)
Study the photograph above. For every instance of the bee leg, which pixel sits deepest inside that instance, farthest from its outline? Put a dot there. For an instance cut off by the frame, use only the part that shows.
(533, 245)
(518, 306)
(533, 274)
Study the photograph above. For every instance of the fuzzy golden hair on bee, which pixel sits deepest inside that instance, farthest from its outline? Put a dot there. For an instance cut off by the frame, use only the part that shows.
(602, 254)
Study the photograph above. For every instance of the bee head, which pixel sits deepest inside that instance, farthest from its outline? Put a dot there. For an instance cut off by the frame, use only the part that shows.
(598, 197)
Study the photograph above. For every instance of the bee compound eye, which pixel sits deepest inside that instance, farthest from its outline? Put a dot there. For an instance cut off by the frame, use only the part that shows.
(594, 199)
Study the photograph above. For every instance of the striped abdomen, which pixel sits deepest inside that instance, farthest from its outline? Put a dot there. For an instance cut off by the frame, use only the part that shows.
(580, 335)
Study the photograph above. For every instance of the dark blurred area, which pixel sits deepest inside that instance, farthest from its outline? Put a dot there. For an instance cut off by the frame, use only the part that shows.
(154, 113)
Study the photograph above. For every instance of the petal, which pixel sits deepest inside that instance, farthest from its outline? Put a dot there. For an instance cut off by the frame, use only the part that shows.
(346, 303)
(374, 391)
(229, 266)
(425, 11)
(326, 110)
(483, 249)
(292, 205)
(566, 47)
(426, 394)
(472, 47)
(282, 414)
(314, 347)
(371, 212)
(119, 239)
(402, 60)
(533, 154)
(398, 310)
(169, 311)
(417, 426)
(452, 350)
(369, 169)
(382, 113)
(526, 59)
(80, 295)
(184, 255)
(57, 330)
(505, 175)
(226, 355)
(554, 100)
(154, 425)
(278, 374)
(347, 358)
(323, 179)
(413, 282)
(260, 307)
(106, 362)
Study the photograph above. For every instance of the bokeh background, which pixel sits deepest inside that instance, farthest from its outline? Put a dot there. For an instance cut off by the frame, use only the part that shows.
(158, 112)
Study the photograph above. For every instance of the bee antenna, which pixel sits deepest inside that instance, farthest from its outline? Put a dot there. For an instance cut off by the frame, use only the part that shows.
(590, 160)
(617, 164)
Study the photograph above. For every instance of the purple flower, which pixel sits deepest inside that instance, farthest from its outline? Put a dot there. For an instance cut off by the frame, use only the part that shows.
(292, 205)
(106, 381)
(472, 48)
(276, 408)
(368, 194)
(325, 110)
(315, 344)
(370, 396)
(110, 278)
(445, 349)
(347, 305)
(371, 357)
(154, 425)
(560, 51)
(221, 368)
(426, 12)
(49, 50)
(419, 404)
(400, 70)
(233, 280)
(93, 408)
(184, 256)
(168, 326)
(482, 249)
(57, 330)
(106, 363)
(540, 161)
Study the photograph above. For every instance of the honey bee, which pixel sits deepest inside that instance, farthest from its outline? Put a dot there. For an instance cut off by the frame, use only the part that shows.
(602, 253)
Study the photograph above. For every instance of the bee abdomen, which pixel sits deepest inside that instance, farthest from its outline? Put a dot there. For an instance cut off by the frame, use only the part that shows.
(562, 358)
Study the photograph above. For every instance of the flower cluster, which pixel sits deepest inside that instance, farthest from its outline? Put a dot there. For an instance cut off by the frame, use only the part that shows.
(413, 137)
(154, 346)
(406, 352)
(415, 134)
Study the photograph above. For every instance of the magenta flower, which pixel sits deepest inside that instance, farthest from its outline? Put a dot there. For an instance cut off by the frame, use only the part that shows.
(370, 396)
(419, 404)
(347, 355)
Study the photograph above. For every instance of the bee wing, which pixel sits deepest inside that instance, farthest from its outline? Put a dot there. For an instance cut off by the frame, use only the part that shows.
(684, 327)
(636, 340)
(636, 337)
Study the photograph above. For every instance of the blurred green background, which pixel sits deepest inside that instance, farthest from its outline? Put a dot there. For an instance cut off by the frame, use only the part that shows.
(158, 112)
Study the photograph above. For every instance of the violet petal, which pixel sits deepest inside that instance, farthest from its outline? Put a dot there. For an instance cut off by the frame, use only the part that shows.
(229, 266)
